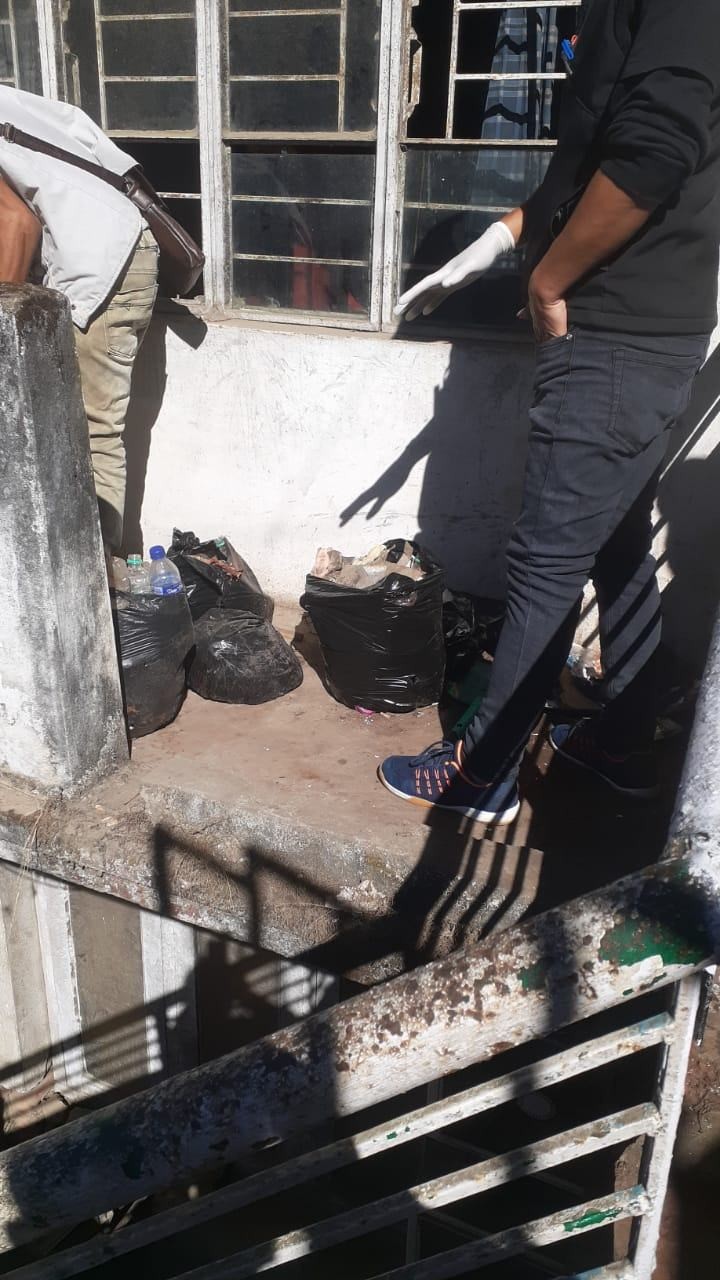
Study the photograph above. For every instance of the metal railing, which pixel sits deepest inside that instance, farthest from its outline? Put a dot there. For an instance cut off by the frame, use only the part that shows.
(655, 930)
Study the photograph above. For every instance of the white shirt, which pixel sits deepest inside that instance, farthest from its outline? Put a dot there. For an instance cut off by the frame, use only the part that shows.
(89, 230)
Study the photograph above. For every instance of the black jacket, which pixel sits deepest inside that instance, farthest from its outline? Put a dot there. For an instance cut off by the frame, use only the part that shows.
(643, 105)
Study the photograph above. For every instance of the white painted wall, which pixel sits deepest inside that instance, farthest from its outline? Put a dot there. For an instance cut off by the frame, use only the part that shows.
(270, 434)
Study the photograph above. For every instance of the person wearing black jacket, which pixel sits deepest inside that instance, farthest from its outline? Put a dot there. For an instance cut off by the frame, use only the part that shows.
(622, 245)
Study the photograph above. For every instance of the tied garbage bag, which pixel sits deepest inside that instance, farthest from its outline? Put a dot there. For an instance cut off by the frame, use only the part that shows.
(154, 636)
(215, 575)
(472, 626)
(382, 646)
(241, 658)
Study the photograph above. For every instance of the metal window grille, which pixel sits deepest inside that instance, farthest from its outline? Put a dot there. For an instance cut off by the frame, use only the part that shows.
(477, 134)
(340, 146)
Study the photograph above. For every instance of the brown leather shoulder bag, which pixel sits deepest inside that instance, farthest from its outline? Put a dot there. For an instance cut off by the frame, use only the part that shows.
(181, 260)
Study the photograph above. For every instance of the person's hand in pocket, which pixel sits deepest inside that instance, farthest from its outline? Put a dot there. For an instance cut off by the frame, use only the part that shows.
(548, 311)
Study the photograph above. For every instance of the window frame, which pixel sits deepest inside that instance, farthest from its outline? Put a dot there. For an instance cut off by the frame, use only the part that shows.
(394, 104)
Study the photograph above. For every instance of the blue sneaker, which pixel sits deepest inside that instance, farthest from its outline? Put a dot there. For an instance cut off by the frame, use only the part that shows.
(632, 775)
(436, 780)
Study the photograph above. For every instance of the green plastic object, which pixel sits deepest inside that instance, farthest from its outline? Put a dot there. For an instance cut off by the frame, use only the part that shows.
(458, 729)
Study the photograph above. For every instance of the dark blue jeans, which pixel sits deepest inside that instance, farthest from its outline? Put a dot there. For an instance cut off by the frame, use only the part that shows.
(603, 406)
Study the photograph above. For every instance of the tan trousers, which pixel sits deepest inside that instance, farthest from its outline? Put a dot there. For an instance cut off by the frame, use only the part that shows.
(107, 352)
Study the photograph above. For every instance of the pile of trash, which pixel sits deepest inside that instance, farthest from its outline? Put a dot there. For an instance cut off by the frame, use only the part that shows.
(379, 623)
(370, 570)
(195, 618)
(214, 575)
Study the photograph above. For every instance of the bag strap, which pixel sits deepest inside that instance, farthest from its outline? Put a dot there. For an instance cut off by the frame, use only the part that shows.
(120, 182)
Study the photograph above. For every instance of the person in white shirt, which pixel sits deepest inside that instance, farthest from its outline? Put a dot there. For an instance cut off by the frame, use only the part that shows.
(73, 232)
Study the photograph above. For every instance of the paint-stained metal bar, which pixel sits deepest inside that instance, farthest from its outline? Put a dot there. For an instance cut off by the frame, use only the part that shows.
(410, 1127)
(584, 1140)
(510, 75)
(145, 17)
(13, 42)
(214, 157)
(469, 5)
(453, 70)
(509, 1244)
(100, 64)
(342, 65)
(618, 1271)
(462, 1228)
(694, 835)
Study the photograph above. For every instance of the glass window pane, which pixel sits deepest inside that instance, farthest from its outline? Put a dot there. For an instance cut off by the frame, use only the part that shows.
(7, 62)
(297, 174)
(302, 228)
(252, 6)
(147, 48)
(286, 107)
(514, 109)
(289, 229)
(497, 41)
(163, 107)
(19, 46)
(361, 64)
(301, 45)
(170, 166)
(113, 7)
(451, 197)
(500, 177)
(312, 67)
(302, 286)
(173, 168)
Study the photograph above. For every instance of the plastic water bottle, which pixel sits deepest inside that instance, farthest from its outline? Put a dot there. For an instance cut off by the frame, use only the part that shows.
(118, 574)
(165, 579)
(139, 575)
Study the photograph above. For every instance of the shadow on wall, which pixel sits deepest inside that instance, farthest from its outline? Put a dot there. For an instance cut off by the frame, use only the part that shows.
(146, 398)
(473, 474)
(473, 477)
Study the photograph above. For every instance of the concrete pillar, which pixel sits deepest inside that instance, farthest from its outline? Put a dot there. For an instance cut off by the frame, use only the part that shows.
(61, 721)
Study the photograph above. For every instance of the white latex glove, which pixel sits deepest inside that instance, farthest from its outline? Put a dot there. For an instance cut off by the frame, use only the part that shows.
(468, 266)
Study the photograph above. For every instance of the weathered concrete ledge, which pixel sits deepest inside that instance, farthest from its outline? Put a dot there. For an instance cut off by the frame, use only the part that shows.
(263, 878)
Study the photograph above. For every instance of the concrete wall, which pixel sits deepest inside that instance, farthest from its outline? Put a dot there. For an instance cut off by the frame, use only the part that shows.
(287, 439)
(291, 440)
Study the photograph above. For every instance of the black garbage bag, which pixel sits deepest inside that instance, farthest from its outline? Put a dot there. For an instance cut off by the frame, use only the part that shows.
(154, 637)
(240, 657)
(209, 584)
(471, 625)
(382, 647)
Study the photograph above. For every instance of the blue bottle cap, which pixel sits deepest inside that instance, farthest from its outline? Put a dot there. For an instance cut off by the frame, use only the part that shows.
(157, 553)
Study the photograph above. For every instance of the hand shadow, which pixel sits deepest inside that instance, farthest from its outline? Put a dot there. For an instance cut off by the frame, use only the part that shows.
(391, 481)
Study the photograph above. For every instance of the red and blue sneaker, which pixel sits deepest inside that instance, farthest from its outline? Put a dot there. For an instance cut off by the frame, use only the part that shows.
(436, 779)
(633, 775)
